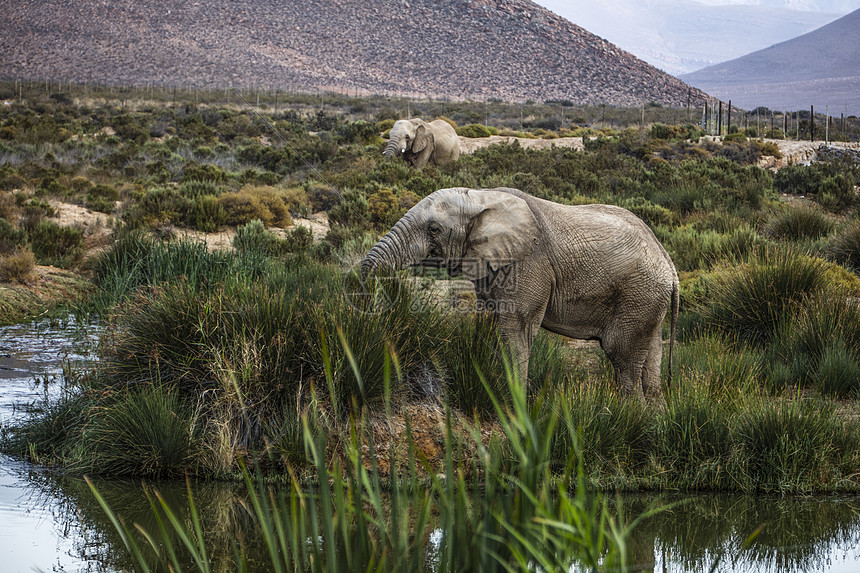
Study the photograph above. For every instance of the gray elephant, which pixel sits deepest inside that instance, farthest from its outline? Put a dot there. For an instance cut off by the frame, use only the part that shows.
(592, 272)
(420, 142)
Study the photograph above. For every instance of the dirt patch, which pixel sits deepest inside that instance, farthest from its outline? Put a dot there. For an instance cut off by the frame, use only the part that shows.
(95, 225)
(317, 223)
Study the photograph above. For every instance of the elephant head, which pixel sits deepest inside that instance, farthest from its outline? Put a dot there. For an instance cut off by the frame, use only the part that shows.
(411, 135)
(468, 231)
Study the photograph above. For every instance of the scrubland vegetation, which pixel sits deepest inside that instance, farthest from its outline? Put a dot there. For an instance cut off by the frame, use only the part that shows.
(273, 356)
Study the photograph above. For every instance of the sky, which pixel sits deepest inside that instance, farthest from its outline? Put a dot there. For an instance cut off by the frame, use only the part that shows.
(835, 6)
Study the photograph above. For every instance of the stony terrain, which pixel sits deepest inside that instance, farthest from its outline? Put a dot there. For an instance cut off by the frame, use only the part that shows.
(512, 50)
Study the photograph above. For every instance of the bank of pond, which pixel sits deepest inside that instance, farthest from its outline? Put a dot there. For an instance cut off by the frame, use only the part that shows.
(395, 432)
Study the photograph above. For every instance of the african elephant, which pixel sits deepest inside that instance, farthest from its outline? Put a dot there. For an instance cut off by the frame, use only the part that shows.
(592, 272)
(420, 142)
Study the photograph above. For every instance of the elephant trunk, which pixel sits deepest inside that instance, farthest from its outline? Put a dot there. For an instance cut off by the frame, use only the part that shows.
(396, 250)
(392, 149)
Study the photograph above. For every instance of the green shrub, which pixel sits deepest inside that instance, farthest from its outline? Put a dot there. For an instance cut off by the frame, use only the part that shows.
(11, 238)
(477, 130)
(322, 197)
(299, 240)
(652, 214)
(822, 343)
(834, 179)
(384, 125)
(206, 214)
(752, 301)
(797, 223)
(845, 246)
(50, 186)
(838, 371)
(146, 431)
(203, 172)
(55, 245)
(353, 210)
(254, 238)
(474, 351)
(80, 184)
(384, 208)
(692, 249)
(193, 189)
(837, 192)
(786, 445)
(157, 206)
(358, 132)
(617, 436)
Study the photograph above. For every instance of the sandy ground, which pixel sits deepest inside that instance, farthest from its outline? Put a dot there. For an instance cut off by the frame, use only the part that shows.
(468, 145)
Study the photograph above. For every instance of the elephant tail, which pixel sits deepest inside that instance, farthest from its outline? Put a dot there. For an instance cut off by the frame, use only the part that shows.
(675, 306)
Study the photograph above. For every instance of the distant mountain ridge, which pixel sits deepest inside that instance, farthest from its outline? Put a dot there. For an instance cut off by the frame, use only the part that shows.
(682, 36)
(512, 50)
(821, 68)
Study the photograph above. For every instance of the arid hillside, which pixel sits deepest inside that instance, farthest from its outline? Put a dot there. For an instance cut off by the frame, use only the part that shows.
(476, 49)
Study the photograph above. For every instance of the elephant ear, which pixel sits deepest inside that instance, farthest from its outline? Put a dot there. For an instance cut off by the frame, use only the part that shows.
(423, 136)
(504, 231)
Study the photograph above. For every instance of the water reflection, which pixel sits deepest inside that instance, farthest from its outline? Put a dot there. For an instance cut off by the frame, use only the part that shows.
(797, 534)
(52, 522)
(811, 534)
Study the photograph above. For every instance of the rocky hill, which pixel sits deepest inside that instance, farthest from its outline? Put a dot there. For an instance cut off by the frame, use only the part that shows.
(821, 68)
(477, 49)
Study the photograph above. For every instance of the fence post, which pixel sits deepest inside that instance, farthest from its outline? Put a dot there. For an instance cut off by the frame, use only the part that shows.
(812, 123)
(729, 122)
(720, 120)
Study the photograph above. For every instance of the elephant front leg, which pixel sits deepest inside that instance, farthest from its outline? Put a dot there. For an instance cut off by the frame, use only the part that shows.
(518, 341)
(420, 159)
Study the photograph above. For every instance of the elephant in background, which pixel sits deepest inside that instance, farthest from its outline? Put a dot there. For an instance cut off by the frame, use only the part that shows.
(420, 142)
(592, 272)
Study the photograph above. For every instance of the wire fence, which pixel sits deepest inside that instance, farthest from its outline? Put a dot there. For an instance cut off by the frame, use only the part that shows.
(714, 118)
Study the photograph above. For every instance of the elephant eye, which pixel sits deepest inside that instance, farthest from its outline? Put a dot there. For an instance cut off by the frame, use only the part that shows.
(434, 228)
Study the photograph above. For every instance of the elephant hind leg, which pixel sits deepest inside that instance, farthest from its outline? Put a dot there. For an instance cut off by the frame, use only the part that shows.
(628, 368)
(633, 356)
(651, 385)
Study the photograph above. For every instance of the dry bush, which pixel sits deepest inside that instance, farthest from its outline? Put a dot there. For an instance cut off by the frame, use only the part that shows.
(264, 203)
(8, 206)
(17, 266)
(297, 200)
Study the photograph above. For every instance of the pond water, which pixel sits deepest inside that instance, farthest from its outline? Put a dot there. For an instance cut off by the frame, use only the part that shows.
(51, 522)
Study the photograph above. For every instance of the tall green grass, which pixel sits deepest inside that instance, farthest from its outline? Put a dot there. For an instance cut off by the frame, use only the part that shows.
(352, 517)
(226, 366)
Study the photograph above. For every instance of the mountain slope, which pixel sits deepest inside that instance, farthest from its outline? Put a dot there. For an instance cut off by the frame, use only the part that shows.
(819, 68)
(681, 36)
(507, 49)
